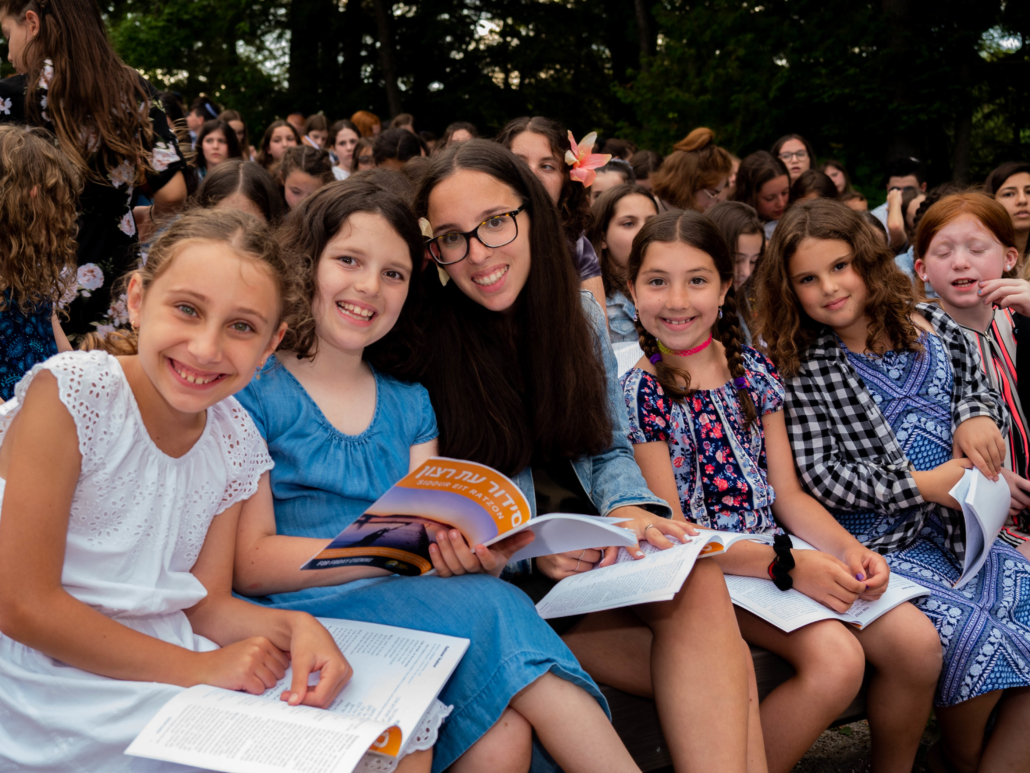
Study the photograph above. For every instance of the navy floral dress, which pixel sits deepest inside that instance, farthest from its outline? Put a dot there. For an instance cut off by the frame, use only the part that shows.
(25, 339)
(108, 242)
(720, 466)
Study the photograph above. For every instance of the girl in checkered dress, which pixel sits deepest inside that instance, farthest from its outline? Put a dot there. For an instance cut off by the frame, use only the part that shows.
(706, 420)
(881, 394)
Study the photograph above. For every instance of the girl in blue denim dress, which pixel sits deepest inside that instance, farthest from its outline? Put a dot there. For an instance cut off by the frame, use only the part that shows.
(706, 419)
(341, 432)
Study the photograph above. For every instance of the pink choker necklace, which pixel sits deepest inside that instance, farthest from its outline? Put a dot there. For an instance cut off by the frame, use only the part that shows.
(685, 352)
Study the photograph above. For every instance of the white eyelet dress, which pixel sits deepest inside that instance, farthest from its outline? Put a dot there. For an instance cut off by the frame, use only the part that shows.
(138, 521)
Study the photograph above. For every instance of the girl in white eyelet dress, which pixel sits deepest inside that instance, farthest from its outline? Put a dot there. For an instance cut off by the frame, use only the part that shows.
(121, 482)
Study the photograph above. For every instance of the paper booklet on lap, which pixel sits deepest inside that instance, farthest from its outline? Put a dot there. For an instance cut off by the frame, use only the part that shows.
(791, 609)
(484, 505)
(985, 508)
(656, 577)
(398, 674)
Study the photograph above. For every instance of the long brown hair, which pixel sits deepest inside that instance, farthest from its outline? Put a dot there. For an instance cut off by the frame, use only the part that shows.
(695, 163)
(39, 190)
(784, 328)
(755, 171)
(264, 156)
(574, 200)
(522, 387)
(735, 219)
(93, 98)
(696, 230)
(242, 233)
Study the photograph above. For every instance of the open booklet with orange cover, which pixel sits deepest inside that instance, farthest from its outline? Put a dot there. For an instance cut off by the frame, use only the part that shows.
(395, 532)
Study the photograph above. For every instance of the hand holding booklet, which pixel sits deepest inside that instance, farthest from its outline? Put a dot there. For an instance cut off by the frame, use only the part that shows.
(985, 508)
(484, 505)
(656, 577)
(398, 674)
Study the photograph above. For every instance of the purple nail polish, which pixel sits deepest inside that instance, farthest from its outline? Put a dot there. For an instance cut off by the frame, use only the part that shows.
(860, 577)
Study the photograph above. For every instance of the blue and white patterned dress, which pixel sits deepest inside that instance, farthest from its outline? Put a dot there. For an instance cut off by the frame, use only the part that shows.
(985, 625)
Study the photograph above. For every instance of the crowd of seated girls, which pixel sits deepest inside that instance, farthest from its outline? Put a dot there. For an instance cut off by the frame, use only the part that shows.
(352, 297)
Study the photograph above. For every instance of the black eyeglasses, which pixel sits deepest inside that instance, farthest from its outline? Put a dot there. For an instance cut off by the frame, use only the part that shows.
(496, 231)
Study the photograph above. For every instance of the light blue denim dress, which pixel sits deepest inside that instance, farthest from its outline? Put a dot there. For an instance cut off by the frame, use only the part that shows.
(323, 479)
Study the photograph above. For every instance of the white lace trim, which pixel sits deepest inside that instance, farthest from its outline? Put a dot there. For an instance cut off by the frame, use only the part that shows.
(425, 737)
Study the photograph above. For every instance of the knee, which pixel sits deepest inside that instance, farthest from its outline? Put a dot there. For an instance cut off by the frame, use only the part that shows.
(507, 747)
(914, 655)
(835, 660)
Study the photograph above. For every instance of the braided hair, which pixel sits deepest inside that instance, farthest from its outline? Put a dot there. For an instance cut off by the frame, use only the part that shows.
(696, 230)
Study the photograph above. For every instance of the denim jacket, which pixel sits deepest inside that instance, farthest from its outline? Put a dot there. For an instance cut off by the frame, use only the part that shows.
(620, 318)
(611, 479)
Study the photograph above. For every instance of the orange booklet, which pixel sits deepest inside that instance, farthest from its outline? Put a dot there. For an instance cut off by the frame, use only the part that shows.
(480, 502)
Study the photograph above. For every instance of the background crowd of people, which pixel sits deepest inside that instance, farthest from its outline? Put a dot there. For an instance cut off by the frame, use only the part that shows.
(217, 350)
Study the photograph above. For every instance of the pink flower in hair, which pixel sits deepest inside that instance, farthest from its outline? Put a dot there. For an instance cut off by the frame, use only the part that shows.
(583, 162)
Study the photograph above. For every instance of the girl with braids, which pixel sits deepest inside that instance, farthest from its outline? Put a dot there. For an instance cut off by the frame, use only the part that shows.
(887, 407)
(111, 127)
(706, 420)
(522, 377)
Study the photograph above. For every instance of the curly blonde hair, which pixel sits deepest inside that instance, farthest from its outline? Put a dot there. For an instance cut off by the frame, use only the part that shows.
(39, 191)
(784, 328)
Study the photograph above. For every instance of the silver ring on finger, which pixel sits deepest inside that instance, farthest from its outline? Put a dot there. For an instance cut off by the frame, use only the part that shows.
(649, 526)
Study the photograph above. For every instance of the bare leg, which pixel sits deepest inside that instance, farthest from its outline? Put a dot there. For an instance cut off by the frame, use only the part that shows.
(690, 647)
(755, 742)
(507, 747)
(416, 762)
(572, 726)
(829, 665)
(1006, 751)
(905, 652)
(962, 730)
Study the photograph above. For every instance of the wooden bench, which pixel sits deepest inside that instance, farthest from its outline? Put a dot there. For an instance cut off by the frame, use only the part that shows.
(636, 719)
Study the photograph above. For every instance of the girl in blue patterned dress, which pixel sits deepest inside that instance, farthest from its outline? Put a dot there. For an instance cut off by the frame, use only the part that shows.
(887, 407)
(706, 418)
(37, 254)
(341, 432)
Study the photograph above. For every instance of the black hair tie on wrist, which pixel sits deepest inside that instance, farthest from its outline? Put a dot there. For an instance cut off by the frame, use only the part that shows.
(779, 569)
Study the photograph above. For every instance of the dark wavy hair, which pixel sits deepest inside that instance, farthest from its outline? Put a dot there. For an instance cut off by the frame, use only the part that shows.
(574, 200)
(304, 236)
(699, 232)
(784, 328)
(510, 390)
(264, 156)
(231, 140)
(613, 276)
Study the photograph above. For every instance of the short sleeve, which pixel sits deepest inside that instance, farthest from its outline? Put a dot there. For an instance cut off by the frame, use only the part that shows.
(244, 450)
(587, 264)
(90, 385)
(427, 429)
(648, 408)
(764, 382)
(250, 398)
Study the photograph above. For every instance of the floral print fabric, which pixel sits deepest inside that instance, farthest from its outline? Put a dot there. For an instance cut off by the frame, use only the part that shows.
(708, 439)
(25, 340)
(108, 243)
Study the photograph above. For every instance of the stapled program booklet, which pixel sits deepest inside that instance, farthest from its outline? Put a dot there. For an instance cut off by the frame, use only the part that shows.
(480, 502)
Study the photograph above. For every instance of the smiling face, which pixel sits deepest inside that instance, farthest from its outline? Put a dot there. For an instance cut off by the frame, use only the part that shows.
(298, 186)
(346, 139)
(827, 285)
(749, 248)
(206, 324)
(960, 255)
(18, 34)
(795, 165)
(362, 283)
(631, 212)
(282, 139)
(1014, 195)
(771, 201)
(215, 148)
(493, 277)
(536, 151)
(678, 293)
